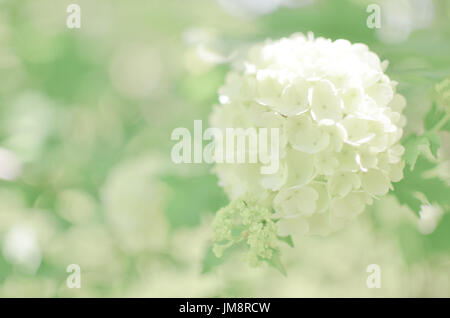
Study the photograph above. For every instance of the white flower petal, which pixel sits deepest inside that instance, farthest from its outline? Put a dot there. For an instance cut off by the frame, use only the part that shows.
(304, 136)
(296, 201)
(325, 103)
(375, 182)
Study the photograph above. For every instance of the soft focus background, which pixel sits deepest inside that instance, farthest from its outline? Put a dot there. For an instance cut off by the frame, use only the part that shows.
(85, 170)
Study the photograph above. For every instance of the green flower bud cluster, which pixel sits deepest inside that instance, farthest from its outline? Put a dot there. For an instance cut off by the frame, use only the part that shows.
(245, 220)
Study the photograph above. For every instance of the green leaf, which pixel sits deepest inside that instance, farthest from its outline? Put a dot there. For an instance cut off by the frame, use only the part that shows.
(287, 239)
(434, 143)
(211, 261)
(415, 144)
(415, 182)
(435, 189)
(276, 263)
(434, 116)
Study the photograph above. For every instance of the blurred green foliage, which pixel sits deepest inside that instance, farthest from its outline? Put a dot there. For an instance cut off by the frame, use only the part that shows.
(87, 115)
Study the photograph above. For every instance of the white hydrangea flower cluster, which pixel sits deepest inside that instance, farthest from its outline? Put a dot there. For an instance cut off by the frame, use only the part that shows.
(340, 124)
